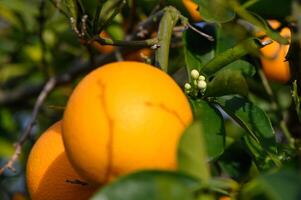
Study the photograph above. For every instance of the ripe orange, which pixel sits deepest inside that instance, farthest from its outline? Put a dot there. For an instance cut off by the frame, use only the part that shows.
(123, 117)
(192, 8)
(104, 49)
(273, 60)
(48, 170)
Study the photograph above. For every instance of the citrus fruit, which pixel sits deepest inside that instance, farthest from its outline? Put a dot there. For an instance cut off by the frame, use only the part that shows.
(49, 174)
(273, 60)
(192, 8)
(123, 117)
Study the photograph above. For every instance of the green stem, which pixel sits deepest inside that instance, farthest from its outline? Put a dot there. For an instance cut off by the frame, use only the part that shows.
(287, 134)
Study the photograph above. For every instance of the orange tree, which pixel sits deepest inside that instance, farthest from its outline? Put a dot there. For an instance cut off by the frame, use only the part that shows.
(243, 141)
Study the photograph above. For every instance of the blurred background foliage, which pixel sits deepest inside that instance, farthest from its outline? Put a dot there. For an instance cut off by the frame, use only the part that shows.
(37, 42)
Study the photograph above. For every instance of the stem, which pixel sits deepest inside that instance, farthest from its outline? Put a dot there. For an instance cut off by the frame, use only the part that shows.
(138, 43)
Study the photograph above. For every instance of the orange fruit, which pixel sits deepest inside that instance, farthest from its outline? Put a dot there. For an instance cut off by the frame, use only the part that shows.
(192, 8)
(138, 55)
(273, 60)
(104, 49)
(48, 170)
(122, 117)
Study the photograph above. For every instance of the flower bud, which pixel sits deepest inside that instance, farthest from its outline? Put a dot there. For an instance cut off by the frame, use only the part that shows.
(202, 84)
(195, 74)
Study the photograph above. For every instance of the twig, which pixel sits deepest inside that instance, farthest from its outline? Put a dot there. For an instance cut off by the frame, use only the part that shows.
(208, 37)
(27, 131)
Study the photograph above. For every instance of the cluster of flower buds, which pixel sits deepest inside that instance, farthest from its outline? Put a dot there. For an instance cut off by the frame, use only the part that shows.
(198, 84)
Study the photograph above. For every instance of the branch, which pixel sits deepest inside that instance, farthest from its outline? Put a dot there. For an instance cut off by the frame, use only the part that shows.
(49, 86)
(138, 43)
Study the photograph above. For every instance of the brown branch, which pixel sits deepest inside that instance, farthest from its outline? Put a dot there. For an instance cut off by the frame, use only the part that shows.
(49, 86)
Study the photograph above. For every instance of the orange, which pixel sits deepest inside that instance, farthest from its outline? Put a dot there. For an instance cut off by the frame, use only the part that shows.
(104, 49)
(138, 55)
(123, 117)
(48, 170)
(192, 8)
(273, 60)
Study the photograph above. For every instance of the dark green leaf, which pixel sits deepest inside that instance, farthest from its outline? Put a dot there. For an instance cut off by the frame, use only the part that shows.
(252, 119)
(149, 185)
(246, 68)
(283, 185)
(227, 82)
(215, 10)
(213, 126)
(192, 158)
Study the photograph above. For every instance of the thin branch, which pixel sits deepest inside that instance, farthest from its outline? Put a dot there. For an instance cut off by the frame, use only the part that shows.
(138, 43)
(208, 37)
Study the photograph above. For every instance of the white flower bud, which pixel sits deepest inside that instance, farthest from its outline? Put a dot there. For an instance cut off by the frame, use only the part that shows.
(187, 86)
(202, 78)
(195, 74)
(202, 84)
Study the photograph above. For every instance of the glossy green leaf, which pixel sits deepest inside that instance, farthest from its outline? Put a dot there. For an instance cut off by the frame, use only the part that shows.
(227, 82)
(252, 119)
(215, 10)
(282, 185)
(197, 49)
(192, 157)
(213, 126)
(149, 185)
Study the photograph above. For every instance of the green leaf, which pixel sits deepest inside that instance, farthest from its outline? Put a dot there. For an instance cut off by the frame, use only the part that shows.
(213, 124)
(149, 185)
(197, 50)
(192, 158)
(252, 119)
(282, 185)
(246, 68)
(215, 10)
(227, 82)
